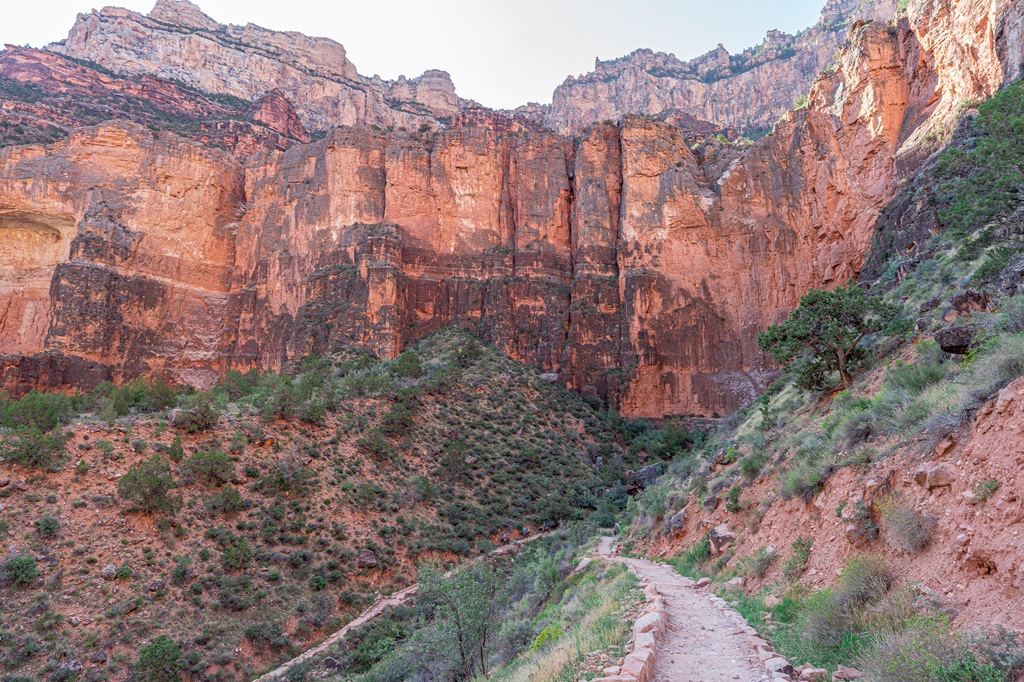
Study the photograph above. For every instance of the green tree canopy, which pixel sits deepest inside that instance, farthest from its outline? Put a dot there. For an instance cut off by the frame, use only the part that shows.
(825, 332)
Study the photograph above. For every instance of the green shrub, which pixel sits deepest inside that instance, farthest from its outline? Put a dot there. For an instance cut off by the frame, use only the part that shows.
(227, 500)
(124, 572)
(693, 559)
(36, 411)
(211, 466)
(796, 562)
(148, 485)
(201, 416)
(33, 448)
(865, 576)
(159, 661)
(408, 365)
(21, 570)
(47, 526)
(984, 489)
(915, 378)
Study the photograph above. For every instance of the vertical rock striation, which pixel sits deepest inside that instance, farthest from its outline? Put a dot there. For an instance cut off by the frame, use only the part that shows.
(635, 265)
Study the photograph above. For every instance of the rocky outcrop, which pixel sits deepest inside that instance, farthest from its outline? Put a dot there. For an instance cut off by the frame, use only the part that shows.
(626, 262)
(44, 96)
(176, 41)
(747, 91)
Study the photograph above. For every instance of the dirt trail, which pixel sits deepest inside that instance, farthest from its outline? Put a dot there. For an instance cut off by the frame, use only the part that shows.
(701, 644)
(369, 614)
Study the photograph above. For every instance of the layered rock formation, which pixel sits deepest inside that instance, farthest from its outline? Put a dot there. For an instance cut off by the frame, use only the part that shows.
(746, 91)
(176, 41)
(637, 268)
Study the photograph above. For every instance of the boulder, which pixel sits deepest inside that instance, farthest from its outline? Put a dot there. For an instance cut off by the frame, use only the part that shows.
(940, 476)
(98, 657)
(931, 304)
(970, 301)
(812, 674)
(1011, 280)
(157, 585)
(648, 475)
(719, 537)
(549, 377)
(677, 522)
(366, 559)
(957, 339)
(332, 663)
(109, 572)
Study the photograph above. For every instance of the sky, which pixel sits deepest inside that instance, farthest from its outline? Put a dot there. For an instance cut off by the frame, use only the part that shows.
(501, 54)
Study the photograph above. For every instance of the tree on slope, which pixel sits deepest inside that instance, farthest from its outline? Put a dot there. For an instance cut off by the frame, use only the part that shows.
(825, 332)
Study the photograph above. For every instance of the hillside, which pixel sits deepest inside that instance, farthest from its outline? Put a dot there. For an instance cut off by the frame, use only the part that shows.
(288, 501)
(915, 469)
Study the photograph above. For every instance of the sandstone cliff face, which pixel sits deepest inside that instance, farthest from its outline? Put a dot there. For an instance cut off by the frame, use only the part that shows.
(177, 41)
(121, 245)
(637, 268)
(747, 91)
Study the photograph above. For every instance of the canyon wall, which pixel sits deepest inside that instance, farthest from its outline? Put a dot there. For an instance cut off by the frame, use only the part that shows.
(635, 265)
(746, 91)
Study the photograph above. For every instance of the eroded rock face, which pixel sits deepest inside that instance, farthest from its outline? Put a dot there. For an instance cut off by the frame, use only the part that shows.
(746, 91)
(635, 267)
(177, 41)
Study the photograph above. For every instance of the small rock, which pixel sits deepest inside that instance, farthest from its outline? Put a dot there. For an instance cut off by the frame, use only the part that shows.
(931, 304)
(736, 582)
(126, 607)
(157, 585)
(109, 572)
(703, 582)
(20, 485)
(845, 673)
(98, 657)
(814, 674)
(470, 460)
(75, 620)
(332, 663)
(73, 665)
(549, 377)
(4, 482)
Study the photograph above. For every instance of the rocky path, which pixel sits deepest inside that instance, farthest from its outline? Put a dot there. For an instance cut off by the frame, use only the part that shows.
(701, 643)
(369, 614)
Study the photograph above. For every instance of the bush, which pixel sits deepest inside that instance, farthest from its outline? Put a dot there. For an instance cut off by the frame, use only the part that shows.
(35, 411)
(148, 485)
(21, 570)
(984, 489)
(864, 577)
(212, 466)
(226, 501)
(905, 527)
(797, 561)
(159, 661)
(124, 572)
(47, 526)
(202, 416)
(926, 651)
(33, 448)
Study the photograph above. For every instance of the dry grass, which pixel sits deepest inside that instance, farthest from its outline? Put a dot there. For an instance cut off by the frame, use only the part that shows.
(597, 625)
(906, 527)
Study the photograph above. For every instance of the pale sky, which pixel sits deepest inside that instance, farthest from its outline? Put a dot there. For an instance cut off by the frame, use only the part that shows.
(500, 54)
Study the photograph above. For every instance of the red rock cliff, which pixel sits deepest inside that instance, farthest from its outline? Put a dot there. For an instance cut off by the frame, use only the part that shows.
(635, 266)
